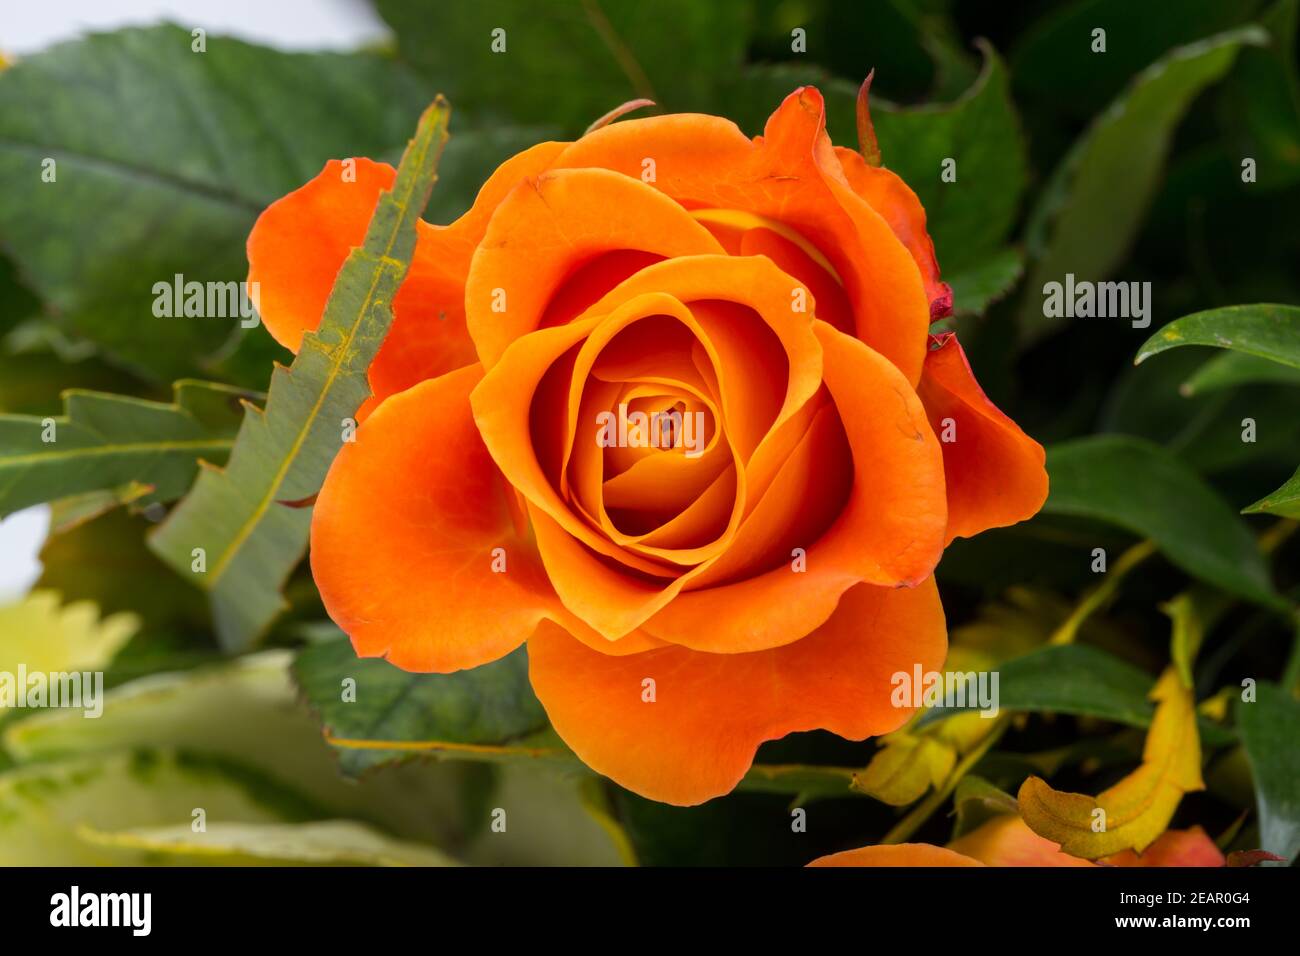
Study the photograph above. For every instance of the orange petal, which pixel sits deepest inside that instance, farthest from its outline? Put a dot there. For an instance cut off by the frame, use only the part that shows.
(888, 195)
(890, 531)
(995, 472)
(710, 711)
(1006, 840)
(1173, 848)
(404, 533)
(896, 854)
(548, 228)
(792, 176)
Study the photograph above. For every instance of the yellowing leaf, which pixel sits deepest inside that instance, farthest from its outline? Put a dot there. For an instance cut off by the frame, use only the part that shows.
(41, 636)
(1134, 812)
(905, 768)
(1189, 632)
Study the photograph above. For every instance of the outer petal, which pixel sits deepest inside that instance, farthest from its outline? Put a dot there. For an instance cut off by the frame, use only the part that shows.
(699, 735)
(995, 472)
(898, 854)
(894, 200)
(1173, 848)
(403, 536)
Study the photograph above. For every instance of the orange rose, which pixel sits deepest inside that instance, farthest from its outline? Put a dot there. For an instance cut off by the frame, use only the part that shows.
(759, 559)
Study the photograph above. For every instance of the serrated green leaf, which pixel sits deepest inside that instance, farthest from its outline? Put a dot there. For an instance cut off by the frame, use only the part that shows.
(1142, 487)
(106, 441)
(238, 518)
(1092, 207)
(1270, 726)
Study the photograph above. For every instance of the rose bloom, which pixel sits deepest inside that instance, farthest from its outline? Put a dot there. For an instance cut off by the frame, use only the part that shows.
(681, 605)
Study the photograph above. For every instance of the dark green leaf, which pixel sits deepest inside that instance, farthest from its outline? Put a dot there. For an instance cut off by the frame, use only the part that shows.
(489, 705)
(1284, 502)
(976, 287)
(1142, 487)
(1266, 331)
(164, 158)
(1089, 213)
(969, 218)
(1238, 368)
(250, 538)
(1270, 727)
(570, 61)
(1071, 679)
(1054, 62)
(1262, 101)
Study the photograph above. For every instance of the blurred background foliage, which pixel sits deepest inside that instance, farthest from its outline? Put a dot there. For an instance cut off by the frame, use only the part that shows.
(1124, 164)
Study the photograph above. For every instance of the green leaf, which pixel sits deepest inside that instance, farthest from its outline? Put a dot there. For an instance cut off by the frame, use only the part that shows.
(1054, 62)
(1204, 430)
(44, 807)
(573, 61)
(976, 287)
(250, 538)
(1080, 680)
(325, 843)
(490, 705)
(1266, 331)
(1090, 211)
(1284, 502)
(970, 218)
(164, 159)
(1069, 679)
(1232, 369)
(488, 713)
(105, 441)
(1269, 729)
(1141, 487)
